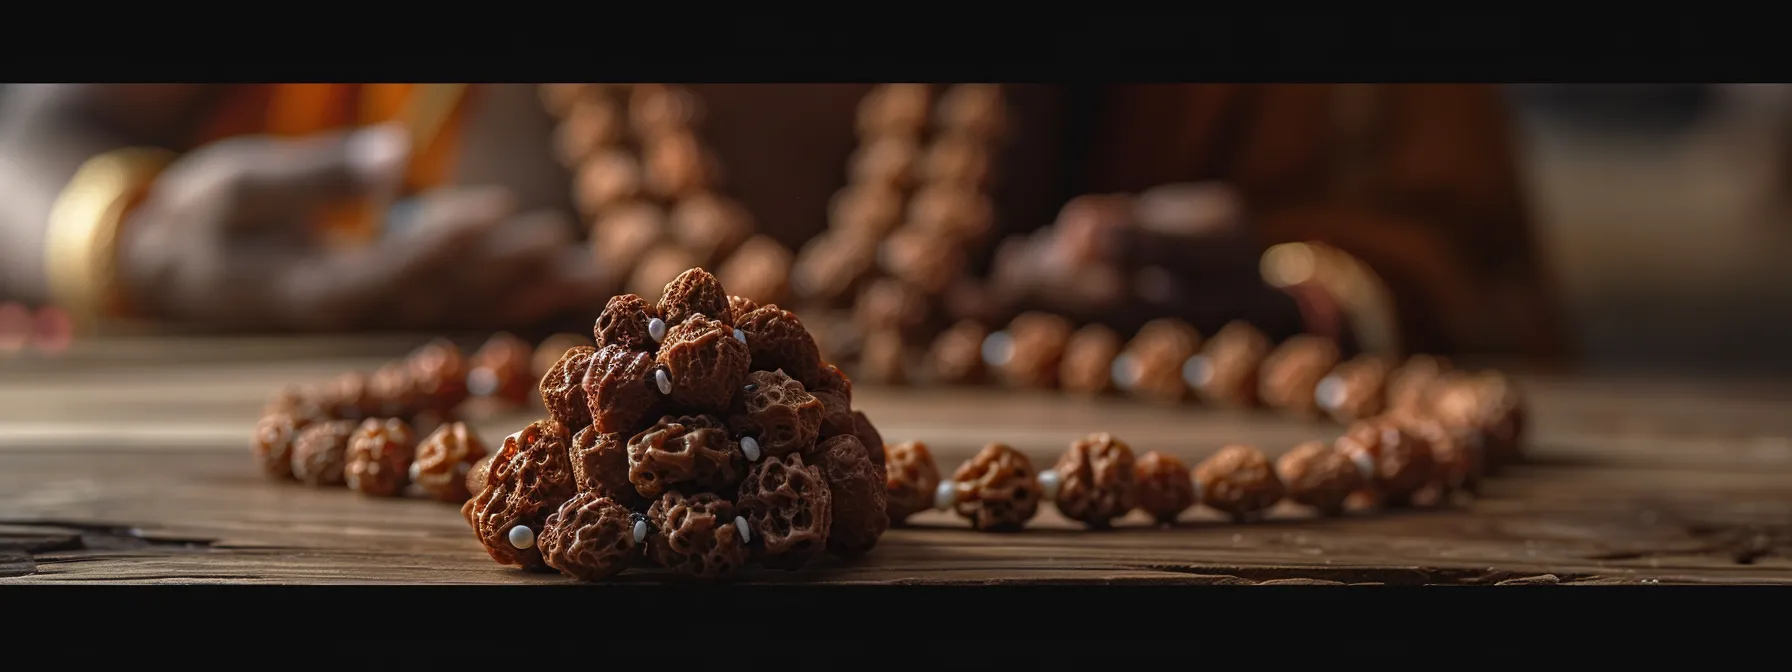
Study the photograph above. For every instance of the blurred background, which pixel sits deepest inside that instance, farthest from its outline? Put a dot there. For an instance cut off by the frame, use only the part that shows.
(1647, 223)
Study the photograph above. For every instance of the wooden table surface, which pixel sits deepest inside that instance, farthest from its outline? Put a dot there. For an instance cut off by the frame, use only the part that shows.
(128, 462)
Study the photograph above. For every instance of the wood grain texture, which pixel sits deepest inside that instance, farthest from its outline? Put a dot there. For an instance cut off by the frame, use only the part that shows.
(140, 473)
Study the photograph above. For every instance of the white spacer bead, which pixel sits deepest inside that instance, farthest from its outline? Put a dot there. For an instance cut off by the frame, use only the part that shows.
(1197, 371)
(1196, 483)
(416, 470)
(522, 537)
(1365, 464)
(656, 328)
(663, 380)
(998, 348)
(1329, 393)
(1124, 372)
(945, 495)
(640, 531)
(740, 335)
(1049, 480)
(750, 447)
(746, 533)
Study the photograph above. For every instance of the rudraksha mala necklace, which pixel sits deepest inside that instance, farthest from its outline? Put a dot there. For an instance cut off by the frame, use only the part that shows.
(1447, 433)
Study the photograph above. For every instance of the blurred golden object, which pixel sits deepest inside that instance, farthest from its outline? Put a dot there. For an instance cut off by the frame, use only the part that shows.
(1367, 302)
(82, 240)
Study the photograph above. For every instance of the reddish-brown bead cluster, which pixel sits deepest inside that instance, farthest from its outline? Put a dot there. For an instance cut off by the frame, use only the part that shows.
(653, 191)
(712, 436)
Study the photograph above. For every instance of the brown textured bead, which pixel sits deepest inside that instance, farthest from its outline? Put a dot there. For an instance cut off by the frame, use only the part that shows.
(657, 267)
(930, 263)
(502, 369)
(622, 235)
(693, 292)
(759, 270)
(1401, 461)
(777, 412)
(563, 387)
(1029, 353)
(1291, 373)
(704, 362)
(476, 477)
(1354, 390)
(895, 109)
(1238, 481)
(975, 109)
(624, 323)
(692, 453)
(530, 478)
(394, 393)
(888, 303)
(379, 457)
(869, 437)
(833, 265)
(997, 490)
(883, 359)
(739, 306)
(779, 341)
(1409, 385)
(657, 109)
(958, 160)
(607, 178)
(350, 398)
(787, 505)
(600, 462)
(620, 388)
(677, 165)
(957, 354)
(885, 160)
(320, 453)
(866, 210)
(304, 404)
(439, 370)
(1165, 488)
(710, 226)
(272, 444)
(427, 421)
(696, 536)
(836, 413)
(1089, 361)
(559, 98)
(446, 462)
(1096, 480)
(833, 379)
(958, 214)
(590, 126)
(1151, 365)
(1319, 475)
(1487, 404)
(1457, 453)
(1225, 373)
(857, 489)
(590, 538)
(910, 478)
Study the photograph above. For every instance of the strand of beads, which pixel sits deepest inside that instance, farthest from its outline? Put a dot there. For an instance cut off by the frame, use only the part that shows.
(1391, 460)
(652, 190)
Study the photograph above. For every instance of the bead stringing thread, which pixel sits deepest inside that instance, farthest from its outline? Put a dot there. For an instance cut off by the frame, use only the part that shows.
(656, 328)
(749, 446)
(663, 381)
(522, 537)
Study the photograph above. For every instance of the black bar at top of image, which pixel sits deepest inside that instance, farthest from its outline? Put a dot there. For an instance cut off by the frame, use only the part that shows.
(900, 43)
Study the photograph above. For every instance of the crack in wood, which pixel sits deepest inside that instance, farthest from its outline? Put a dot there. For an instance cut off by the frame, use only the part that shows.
(1391, 576)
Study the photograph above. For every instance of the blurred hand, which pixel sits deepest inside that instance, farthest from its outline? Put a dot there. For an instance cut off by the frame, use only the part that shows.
(229, 236)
